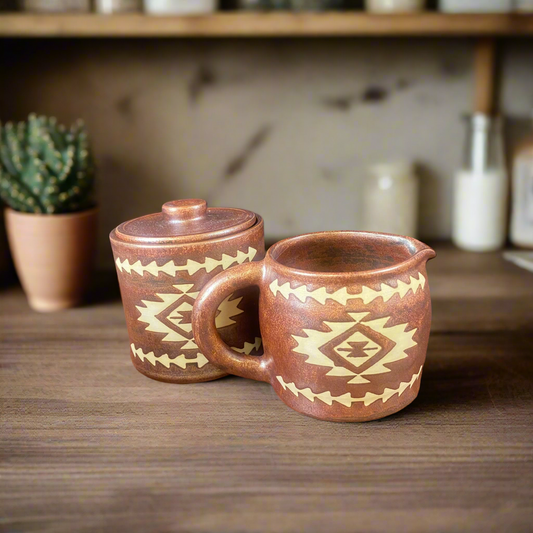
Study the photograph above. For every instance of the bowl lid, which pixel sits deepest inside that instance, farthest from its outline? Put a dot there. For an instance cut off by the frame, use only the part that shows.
(182, 221)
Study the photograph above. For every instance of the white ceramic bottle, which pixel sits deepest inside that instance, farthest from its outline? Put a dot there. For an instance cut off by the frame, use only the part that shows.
(480, 194)
(391, 199)
(522, 200)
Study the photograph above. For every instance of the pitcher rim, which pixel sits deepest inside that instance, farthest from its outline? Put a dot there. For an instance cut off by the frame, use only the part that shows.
(422, 251)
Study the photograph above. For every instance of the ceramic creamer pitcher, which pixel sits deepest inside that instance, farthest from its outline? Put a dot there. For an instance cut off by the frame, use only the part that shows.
(163, 260)
(345, 319)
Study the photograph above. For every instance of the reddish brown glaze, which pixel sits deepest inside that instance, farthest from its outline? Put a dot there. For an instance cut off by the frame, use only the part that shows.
(345, 319)
(163, 260)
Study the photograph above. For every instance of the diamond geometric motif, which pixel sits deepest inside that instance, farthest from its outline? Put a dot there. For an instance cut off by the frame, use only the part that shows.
(347, 349)
(357, 348)
(171, 315)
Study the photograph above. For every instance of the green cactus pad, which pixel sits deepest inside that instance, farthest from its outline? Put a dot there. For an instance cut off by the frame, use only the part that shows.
(45, 167)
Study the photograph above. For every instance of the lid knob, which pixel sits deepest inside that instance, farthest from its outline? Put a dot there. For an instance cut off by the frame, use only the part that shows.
(185, 210)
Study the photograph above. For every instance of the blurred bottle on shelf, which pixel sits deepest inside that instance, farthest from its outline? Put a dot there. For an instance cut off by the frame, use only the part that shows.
(524, 6)
(522, 199)
(394, 6)
(391, 199)
(481, 188)
(476, 6)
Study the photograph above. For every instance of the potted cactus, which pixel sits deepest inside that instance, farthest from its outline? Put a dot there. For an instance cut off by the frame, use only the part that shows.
(47, 180)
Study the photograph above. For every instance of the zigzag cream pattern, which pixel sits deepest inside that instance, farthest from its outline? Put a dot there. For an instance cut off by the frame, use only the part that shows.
(166, 361)
(181, 361)
(342, 296)
(228, 309)
(320, 295)
(347, 399)
(387, 292)
(249, 346)
(170, 268)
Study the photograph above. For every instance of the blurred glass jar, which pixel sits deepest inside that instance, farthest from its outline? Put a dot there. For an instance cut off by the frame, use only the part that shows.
(55, 6)
(524, 6)
(391, 199)
(180, 7)
(117, 6)
(394, 6)
(476, 6)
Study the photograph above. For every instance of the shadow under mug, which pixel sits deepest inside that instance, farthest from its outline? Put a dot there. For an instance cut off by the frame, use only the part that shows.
(345, 319)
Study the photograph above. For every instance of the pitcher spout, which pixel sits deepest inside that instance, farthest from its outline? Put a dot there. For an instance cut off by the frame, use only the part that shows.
(425, 254)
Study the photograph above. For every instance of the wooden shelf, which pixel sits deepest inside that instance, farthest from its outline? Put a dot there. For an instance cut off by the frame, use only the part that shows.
(278, 24)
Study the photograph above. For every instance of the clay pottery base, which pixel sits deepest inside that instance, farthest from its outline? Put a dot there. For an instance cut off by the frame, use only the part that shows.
(53, 256)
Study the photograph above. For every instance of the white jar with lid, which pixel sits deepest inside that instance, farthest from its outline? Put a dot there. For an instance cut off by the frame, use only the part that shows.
(391, 199)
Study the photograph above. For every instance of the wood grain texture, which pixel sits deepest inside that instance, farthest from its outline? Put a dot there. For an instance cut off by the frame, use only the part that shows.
(263, 25)
(88, 444)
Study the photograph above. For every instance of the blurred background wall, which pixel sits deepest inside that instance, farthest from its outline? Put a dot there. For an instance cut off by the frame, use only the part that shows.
(286, 128)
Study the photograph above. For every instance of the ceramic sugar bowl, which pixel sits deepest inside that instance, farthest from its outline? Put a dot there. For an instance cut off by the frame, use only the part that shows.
(163, 260)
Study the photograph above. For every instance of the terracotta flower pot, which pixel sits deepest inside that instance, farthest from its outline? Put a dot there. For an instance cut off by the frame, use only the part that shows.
(53, 255)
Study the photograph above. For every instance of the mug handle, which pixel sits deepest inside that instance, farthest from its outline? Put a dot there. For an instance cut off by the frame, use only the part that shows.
(205, 331)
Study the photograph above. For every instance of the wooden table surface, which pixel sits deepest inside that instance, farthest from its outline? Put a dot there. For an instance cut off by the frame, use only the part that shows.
(87, 444)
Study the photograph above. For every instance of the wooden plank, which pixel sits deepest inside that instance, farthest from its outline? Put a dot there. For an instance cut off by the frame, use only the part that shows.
(275, 24)
(479, 292)
(89, 444)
